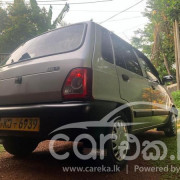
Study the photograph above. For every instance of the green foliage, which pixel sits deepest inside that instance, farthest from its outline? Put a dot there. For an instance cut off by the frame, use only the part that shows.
(143, 40)
(3, 18)
(1, 148)
(171, 144)
(40, 17)
(21, 22)
(156, 40)
(19, 29)
(176, 97)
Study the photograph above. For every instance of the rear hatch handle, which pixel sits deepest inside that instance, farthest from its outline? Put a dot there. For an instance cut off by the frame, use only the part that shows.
(18, 80)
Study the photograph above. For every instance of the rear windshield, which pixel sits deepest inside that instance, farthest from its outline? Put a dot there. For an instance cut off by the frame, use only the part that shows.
(58, 41)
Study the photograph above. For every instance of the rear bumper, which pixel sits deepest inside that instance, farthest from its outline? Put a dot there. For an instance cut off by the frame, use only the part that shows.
(40, 107)
(53, 116)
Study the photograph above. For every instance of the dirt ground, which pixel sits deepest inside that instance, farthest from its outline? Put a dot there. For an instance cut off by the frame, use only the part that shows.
(40, 165)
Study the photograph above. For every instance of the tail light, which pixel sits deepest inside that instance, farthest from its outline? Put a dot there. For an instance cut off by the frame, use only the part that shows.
(78, 84)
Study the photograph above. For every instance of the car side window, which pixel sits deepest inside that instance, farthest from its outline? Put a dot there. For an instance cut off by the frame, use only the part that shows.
(106, 47)
(118, 51)
(131, 61)
(149, 72)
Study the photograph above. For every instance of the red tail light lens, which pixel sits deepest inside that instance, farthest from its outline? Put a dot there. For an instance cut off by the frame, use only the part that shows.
(78, 84)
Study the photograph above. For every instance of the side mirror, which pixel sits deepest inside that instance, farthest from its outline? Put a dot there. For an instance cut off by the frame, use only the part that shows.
(168, 78)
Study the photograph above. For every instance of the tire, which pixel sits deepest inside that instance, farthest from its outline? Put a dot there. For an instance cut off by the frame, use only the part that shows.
(19, 146)
(113, 157)
(171, 128)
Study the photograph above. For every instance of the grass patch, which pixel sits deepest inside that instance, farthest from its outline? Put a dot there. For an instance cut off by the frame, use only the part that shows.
(1, 148)
(176, 97)
(171, 144)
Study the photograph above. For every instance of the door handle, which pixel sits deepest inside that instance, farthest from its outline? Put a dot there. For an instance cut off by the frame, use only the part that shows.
(125, 77)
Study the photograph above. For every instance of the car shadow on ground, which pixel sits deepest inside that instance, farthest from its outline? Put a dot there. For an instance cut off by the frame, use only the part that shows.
(41, 165)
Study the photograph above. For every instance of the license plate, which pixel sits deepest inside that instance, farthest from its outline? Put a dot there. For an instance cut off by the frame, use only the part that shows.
(20, 124)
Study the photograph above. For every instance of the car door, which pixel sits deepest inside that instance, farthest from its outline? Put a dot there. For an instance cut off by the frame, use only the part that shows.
(160, 97)
(133, 86)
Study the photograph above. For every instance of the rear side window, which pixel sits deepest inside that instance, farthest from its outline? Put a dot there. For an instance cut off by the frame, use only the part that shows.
(106, 47)
(125, 56)
(131, 61)
(118, 51)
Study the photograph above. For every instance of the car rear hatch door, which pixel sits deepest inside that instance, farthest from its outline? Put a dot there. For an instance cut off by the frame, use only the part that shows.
(36, 71)
(30, 82)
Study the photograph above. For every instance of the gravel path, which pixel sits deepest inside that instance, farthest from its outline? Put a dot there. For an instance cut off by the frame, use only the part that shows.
(41, 166)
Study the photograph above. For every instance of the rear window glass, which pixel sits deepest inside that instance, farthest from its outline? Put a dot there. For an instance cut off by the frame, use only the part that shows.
(58, 41)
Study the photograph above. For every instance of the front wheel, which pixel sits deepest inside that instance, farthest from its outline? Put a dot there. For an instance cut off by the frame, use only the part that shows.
(20, 146)
(171, 128)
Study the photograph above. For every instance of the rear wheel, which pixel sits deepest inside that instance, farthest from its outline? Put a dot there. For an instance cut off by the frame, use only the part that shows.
(20, 146)
(117, 147)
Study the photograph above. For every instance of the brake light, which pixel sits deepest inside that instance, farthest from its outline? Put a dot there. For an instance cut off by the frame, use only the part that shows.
(78, 84)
